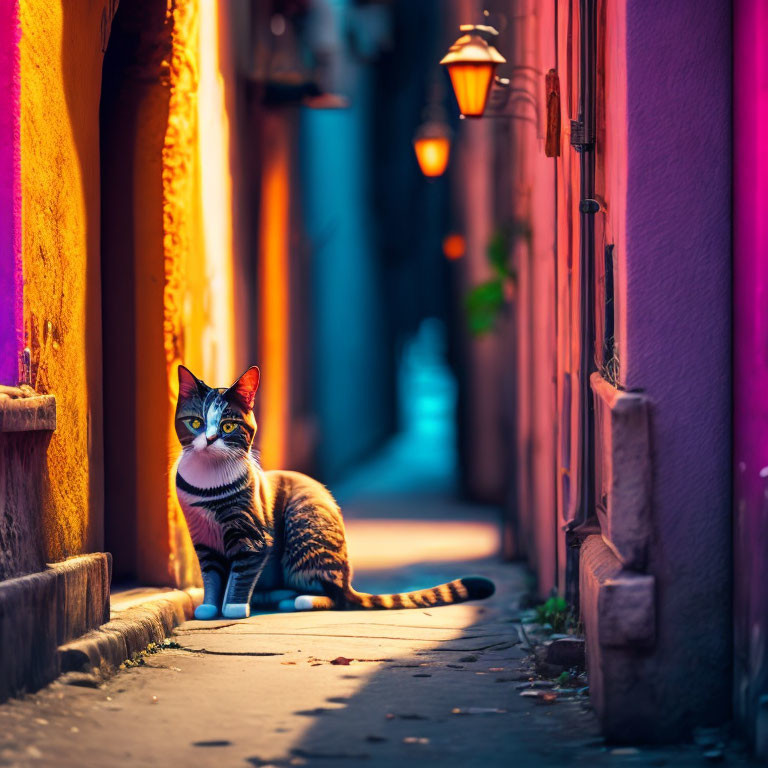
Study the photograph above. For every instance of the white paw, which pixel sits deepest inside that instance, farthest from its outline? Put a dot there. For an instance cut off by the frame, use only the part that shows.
(304, 603)
(206, 611)
(236, 610)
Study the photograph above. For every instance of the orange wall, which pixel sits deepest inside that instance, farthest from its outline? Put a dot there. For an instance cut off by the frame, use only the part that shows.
(185, 249)
(61, 55)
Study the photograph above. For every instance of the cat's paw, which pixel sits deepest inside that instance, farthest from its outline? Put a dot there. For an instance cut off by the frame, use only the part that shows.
(206, 611)
(236, 610)
(304, 603)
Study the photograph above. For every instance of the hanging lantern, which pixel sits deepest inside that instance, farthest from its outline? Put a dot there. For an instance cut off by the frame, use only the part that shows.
(432, 145)
(471, 63)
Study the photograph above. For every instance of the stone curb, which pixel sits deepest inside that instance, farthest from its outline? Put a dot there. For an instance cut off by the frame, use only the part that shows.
(129, 631)
(41, 610)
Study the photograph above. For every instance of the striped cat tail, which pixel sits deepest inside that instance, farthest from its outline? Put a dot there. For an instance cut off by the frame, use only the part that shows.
(457, 591)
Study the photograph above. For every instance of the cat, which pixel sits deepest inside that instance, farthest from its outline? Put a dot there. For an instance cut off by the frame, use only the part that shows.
(271, 538)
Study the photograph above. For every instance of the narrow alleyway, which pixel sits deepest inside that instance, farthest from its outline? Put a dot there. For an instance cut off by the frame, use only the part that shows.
(439, 687)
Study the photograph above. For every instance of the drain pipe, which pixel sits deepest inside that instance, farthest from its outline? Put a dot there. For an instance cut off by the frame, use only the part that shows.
(583, 141)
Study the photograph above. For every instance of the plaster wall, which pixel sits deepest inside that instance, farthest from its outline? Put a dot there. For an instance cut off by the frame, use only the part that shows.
(677, 334)
(60, 63)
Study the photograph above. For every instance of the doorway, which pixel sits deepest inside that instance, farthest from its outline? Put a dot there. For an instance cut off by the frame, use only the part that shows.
(133, 118)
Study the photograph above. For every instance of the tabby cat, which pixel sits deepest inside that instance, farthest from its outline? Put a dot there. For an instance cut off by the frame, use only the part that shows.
(267, 538)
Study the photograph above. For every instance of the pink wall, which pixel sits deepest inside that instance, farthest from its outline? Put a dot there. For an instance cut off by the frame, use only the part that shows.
(11, 340)
(529, 204)
(750, 348)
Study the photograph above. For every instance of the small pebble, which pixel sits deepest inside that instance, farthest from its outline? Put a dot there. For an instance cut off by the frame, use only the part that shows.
(155, 700)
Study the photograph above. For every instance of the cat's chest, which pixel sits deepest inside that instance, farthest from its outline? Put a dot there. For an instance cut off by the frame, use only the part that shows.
(203, 527)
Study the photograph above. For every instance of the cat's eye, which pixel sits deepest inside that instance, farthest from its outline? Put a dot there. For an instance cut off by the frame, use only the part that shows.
(228, 426)
(194, 424)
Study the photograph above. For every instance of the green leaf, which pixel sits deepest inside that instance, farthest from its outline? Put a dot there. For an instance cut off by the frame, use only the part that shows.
(483, 304)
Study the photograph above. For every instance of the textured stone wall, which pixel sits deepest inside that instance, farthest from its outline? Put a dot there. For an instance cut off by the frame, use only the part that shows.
(61, 56)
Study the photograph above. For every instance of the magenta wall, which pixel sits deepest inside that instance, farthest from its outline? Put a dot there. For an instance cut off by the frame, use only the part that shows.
(10, 198)
(678, 335)
(750, 348)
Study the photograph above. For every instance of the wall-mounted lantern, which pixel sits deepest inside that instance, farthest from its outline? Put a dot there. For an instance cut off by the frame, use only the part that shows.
(471, 63)
(432, 144)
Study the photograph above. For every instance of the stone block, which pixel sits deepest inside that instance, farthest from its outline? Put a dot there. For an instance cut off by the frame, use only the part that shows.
(618, 611)
(28, 414)
(40, 609)
(621, 603)
(566, 652)
(83, 594)
(623, 471)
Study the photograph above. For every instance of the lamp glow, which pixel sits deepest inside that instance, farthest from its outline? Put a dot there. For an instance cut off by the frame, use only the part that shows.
(432, 145)
(471, 63)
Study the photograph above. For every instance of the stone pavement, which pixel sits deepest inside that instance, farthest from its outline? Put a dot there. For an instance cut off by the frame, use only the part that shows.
(438, 687)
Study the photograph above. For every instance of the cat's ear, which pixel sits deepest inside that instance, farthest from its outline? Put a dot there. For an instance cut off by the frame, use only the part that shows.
(189, 384)
(244, 389)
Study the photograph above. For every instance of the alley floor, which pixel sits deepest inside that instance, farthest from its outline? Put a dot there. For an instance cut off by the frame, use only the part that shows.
(398, 688)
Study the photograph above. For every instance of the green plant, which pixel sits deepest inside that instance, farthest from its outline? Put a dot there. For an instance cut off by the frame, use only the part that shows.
(485, 302)
(555, 613)
(563, 679)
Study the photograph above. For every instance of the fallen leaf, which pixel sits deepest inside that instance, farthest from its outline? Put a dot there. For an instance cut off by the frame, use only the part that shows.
(342, 661)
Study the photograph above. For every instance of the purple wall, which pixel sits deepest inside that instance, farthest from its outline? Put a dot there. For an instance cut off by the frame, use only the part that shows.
(750, 347)
(678, 334)
(10, 197)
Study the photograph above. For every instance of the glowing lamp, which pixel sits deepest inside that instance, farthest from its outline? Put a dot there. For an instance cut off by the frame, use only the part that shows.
(432, 145)
(471, 63)
(454, 246)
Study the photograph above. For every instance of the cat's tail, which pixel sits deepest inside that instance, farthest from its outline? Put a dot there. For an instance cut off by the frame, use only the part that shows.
(457, 591)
